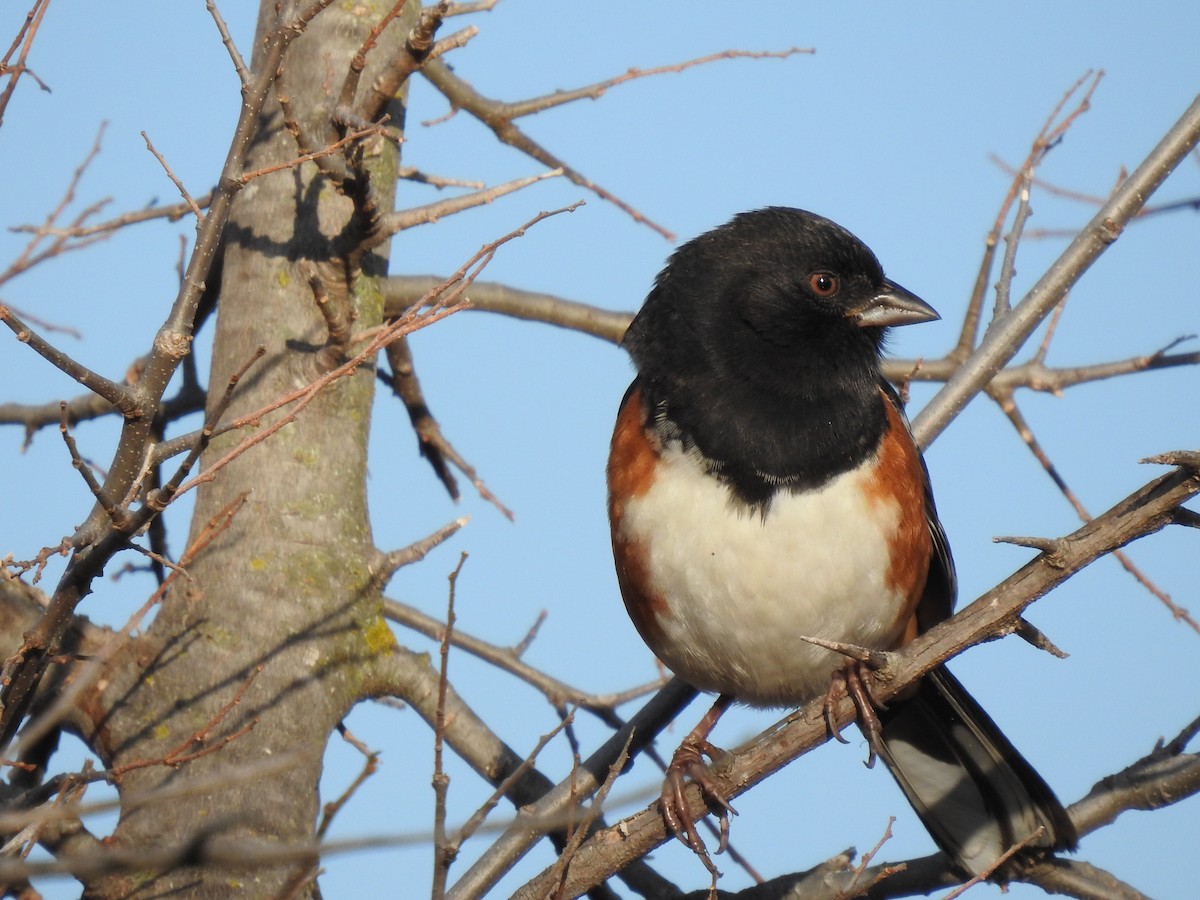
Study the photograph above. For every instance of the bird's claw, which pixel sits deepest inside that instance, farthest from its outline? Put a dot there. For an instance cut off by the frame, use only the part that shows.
(688, 761)
(853, 681)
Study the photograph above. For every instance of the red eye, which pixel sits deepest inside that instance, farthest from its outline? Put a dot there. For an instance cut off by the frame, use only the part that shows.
(823, 284)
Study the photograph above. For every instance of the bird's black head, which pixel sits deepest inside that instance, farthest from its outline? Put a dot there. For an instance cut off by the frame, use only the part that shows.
(760, 344)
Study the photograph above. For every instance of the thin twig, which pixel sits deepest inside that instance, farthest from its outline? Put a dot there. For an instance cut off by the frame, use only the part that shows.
(1005, 339)
(66, 240)
(431, 212)
(557, 692)
(1008, 266)
(239, 65)
(490, 112)
(1008, 405)
(387, 564)
(24, 39)
(1047, 137)
(183, 191)
(118, 395)
(1004, 857)
(443, 855)
(477, 818)
(370, 767)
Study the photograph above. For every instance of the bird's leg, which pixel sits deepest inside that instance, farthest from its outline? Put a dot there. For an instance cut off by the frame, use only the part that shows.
(689, 760)
(853, 680)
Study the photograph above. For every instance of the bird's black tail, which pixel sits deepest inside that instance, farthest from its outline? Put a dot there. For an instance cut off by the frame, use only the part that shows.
(974, 792)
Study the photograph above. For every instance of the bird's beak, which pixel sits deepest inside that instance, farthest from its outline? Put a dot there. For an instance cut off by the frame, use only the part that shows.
(894, 306)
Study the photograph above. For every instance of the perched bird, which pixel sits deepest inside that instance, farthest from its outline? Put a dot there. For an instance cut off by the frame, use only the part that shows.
(764, 487)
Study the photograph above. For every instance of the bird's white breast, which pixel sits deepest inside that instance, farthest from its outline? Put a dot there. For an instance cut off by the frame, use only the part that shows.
(740, 588)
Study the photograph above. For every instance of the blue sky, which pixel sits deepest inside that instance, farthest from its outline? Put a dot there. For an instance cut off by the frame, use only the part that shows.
(890, 129)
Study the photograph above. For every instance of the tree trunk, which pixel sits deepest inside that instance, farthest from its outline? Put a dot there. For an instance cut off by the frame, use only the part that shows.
(262, 645)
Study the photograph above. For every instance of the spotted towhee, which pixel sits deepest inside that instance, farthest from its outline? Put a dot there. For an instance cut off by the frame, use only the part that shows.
(764, 487)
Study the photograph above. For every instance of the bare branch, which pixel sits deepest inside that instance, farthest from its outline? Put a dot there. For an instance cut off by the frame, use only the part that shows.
(490, 112)
(172, 213)
(183, 191)
(431, 212)
(599, 89)
(24, 40)
(559, 693)
(480, 815)
(65, 241)
(402, 291)
(1008, 405)
(1006, 338)
(359, 61)
(443, 855)
(432, 442)
(389, 563)
(1046, 138)
(462, 9)
(118, 395)
(555, 804)
(1008, 267)
(239, 65)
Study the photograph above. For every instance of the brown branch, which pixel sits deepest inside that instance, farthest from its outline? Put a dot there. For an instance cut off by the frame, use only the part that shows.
(387, 564)
(1047, 137)
(443, 855)
(462, 9)
(171, 344)
(66, 241)
(313, 155)
(987, 872)
(85, 676)
(1057, 190)
(24, 39)
(1004, 399)
(183, 752)
(499, 116)
(416, 52)
(404, 219)
(85, 470)
(183, 191)
(172, 213)
(477, 818)
(402, 291)
(1076, 878)
(119, 395)
(443, 301)
(239, 65)
(558, 872)
(492, 113)
(409, 173)
(507, 659)
(600, 88)
(370, 766)
(359, 61)
(431, 441)
(555, 805)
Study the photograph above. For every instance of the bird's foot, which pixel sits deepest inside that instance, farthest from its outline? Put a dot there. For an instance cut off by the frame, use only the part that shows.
(689, 761)
(853, 680)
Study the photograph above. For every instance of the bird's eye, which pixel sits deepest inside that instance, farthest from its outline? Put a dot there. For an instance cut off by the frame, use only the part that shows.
(823, 284)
